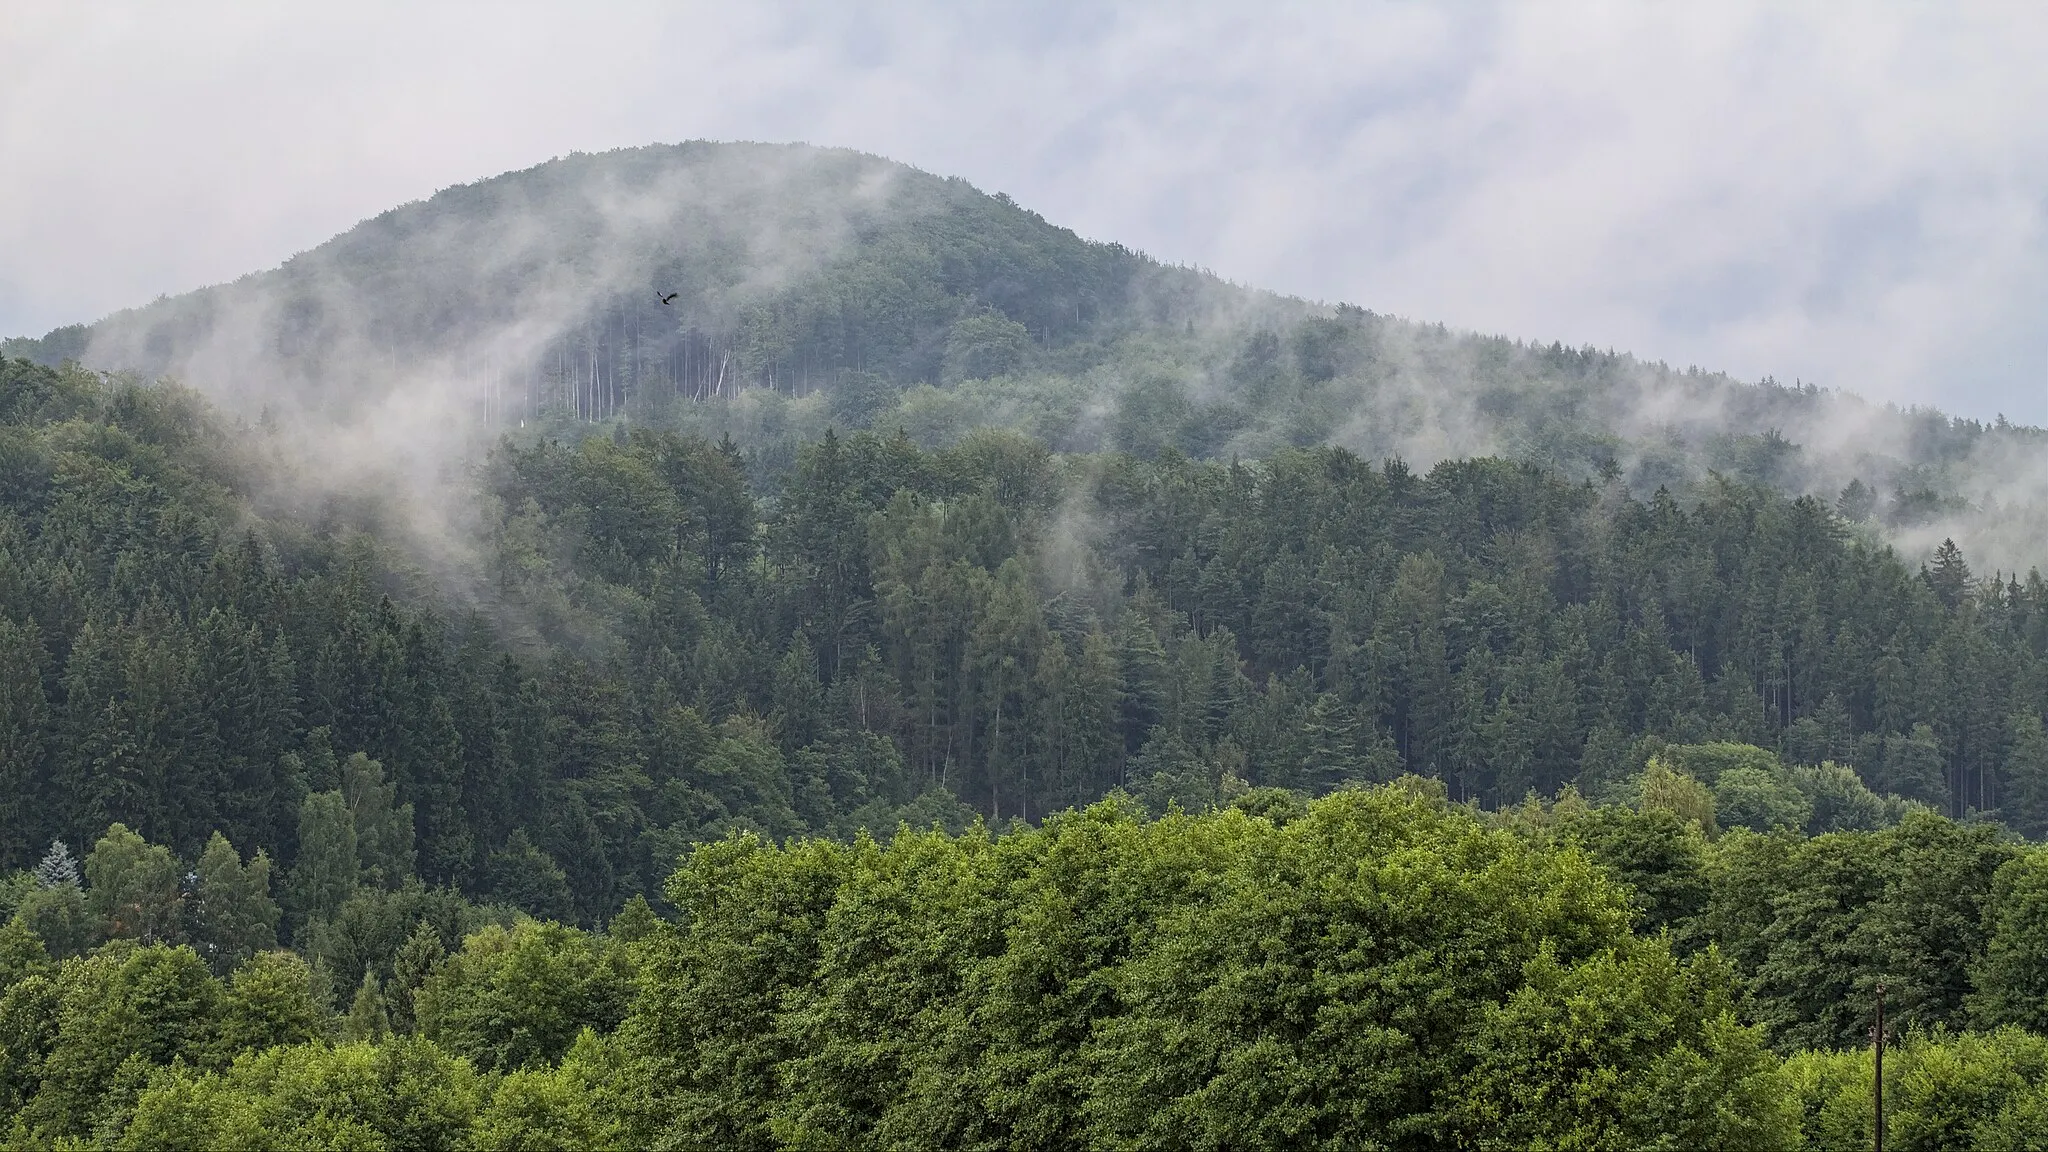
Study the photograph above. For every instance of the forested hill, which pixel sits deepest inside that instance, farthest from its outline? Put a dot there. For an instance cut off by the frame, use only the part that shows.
(660, 655)
(817, 287)
(982, 795)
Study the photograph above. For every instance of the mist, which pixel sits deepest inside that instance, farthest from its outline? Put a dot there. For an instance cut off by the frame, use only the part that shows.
(811, 288)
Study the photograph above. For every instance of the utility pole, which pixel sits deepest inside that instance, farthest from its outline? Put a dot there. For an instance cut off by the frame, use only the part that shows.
(1877, 1060)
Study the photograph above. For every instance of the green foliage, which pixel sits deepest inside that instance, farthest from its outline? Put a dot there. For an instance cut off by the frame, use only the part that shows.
(383, 827)
(373, 926)
(1814, 925)
(1679, 794)
(524, 877)
(1985, 1090)
(1840, 801)
(571, 1106)
(59, 918)
(400, 1093)
(984, 344)
(417, 960)
(273, 998)
(22, 954)
(151, 1004)
(235, 917)
(709, 631)
(1759, 799)
(134, 889)
(367, 1020)
(2009, 981)
(518, 997)
(1659, 855)
(328, 865)
(1195, 980)
(1630, 1050)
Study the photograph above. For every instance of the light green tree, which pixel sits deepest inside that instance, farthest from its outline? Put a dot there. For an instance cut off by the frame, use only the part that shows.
(236, 918)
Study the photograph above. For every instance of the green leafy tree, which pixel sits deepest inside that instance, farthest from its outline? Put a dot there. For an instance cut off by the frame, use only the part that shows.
(383, 826)
(59, 918)
(1631, 1049)
(1759, 800)
(235, 918)
(2009, 981)
(29, 1013)
(328, 866)
(1659, 855)
(22, 954)
(272, 998)
(134, 890)
(399, 1093)
(522, 875)
(152, 1004)
(517, 997)
(1679, 794)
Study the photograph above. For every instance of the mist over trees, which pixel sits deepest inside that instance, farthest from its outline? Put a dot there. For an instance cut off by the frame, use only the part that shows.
(822, 287)
(940, 680)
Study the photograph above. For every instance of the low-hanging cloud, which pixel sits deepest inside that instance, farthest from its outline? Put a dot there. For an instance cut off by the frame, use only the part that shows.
(1765, 189)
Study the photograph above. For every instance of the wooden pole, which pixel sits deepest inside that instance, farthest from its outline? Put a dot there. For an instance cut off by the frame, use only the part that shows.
(1877, 1061)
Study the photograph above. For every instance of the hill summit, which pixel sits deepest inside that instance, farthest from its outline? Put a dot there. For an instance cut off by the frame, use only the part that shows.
(769, 291)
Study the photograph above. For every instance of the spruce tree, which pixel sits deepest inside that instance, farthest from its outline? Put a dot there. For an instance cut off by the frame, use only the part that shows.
(58, 869)
(24, 717)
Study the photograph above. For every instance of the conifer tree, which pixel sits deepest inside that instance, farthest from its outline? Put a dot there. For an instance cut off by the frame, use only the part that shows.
(24, 720)
(367, 1020)
(58, 868)
(2026, 775)
(414, 963)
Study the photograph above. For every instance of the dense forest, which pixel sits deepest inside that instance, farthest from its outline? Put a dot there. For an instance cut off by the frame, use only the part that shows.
(938, 680)
(993, 775)
(808, 288)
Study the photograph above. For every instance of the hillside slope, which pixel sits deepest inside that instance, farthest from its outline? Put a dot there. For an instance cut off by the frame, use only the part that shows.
(820, 286)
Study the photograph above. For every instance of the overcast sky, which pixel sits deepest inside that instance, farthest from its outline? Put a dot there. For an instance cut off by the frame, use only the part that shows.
(1851, 195)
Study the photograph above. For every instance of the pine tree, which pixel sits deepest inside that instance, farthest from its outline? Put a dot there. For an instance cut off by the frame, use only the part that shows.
(1950, 575)
(2026, 776)
(799, 699)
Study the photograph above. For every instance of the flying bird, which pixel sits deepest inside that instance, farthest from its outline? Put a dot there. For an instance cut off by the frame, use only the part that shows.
(668, 298)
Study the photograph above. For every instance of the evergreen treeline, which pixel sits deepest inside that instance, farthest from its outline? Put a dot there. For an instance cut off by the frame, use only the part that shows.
(665, 652)
(810, 286)
(1786, 766)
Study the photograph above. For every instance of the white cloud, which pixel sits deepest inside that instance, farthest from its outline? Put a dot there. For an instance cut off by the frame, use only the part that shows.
(1765, 188)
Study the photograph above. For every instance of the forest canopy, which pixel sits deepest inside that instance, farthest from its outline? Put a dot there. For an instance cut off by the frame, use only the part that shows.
(1018, 796)
(930, 678)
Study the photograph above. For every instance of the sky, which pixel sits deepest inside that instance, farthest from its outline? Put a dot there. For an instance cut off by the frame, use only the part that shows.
(1854, 197)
